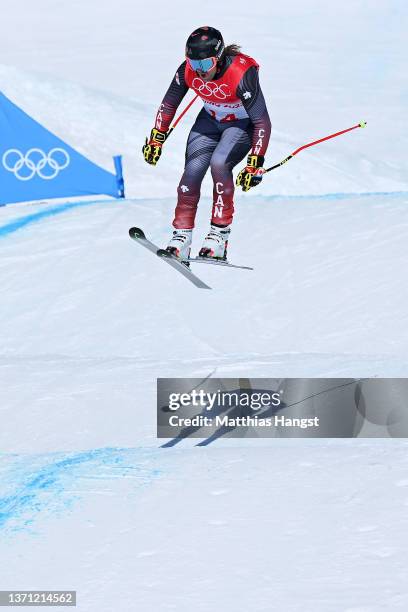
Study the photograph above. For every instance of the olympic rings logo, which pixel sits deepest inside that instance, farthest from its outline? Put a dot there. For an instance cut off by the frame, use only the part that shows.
(35, 162)
(207, 89)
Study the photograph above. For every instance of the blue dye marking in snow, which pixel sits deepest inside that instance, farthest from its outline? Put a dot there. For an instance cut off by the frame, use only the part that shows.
(47, 489)
(13, 226)
(341, 195)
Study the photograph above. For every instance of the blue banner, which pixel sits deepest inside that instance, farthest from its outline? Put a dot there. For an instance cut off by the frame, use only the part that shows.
(36, 165)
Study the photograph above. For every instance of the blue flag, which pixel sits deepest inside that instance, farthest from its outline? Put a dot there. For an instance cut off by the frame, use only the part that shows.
(36, 165)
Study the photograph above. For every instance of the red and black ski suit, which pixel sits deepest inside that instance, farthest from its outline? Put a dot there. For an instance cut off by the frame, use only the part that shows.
(233, 121)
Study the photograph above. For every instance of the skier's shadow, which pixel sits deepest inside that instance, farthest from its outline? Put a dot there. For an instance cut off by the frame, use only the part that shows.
(231, 412)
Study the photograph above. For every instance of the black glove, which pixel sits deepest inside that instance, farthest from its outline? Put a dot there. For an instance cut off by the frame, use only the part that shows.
(152, 148)
(252, 174)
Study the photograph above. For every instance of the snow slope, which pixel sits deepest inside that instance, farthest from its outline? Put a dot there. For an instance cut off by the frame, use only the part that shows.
(319, 526)
(88, 499)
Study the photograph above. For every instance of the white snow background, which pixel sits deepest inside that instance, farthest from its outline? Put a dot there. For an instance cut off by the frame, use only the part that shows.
(88, 499)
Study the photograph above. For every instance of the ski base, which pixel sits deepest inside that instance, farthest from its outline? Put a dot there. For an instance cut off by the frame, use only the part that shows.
(217, 262)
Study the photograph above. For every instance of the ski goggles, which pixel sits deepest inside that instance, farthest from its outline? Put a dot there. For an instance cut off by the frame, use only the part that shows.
(203, 65)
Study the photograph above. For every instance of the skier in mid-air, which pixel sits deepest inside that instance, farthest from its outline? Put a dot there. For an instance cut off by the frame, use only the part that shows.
(233, 122)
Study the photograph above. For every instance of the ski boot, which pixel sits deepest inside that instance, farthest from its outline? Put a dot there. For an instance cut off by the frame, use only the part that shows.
(216, 243)
(180, 244)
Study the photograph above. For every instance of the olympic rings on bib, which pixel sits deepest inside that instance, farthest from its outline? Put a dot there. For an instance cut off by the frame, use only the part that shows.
(208, 88)
(36, 162)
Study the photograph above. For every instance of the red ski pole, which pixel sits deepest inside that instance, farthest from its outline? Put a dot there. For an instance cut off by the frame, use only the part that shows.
(182, 115)
(362, 124)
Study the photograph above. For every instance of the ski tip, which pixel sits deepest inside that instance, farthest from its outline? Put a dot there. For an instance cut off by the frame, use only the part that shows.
(136, 232)
(363, 124)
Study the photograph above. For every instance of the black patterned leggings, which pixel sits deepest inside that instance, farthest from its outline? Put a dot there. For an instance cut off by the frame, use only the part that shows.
(220, 146)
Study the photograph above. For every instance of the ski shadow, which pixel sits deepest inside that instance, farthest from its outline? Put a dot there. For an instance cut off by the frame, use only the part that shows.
(234, 412)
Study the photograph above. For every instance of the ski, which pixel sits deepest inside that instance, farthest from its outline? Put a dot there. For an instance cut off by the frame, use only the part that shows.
(139, 236)
(216, 262)
(176, 263)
